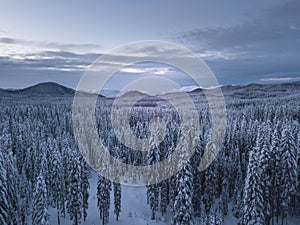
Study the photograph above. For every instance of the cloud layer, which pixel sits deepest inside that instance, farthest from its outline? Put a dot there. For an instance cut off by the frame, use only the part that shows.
(265, 48)
(265, 45)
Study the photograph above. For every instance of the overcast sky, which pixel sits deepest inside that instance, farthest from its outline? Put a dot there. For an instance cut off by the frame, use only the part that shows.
(241, 41)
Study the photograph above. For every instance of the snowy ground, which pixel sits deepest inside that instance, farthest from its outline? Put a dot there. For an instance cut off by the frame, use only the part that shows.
(135, 210)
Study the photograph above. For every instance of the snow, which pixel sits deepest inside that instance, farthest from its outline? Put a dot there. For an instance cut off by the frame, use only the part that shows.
(135, 210)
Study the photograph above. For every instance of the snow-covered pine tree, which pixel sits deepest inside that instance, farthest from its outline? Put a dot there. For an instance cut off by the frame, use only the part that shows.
(56, 176)
(152, 198)
(197, 193)
(103, 196)
(253, 194)
(66, 158)
(74, 199)
(275, 169)
(4, 205)
(11, 177)
(25, 197)
(153, 189)
(210, 186)
(223, 182)
(39, 212)
(238, 187)
(117, 199)
(84, 187)
(164, 196)
(264, 156)
(13, 190)
(183, 208)
(197, 176)
(289, 176)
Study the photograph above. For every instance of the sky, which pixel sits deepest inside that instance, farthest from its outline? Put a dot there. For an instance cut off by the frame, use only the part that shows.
(241, 41)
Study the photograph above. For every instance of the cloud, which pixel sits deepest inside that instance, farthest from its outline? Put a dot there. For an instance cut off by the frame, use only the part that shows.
(6, 40)
(45, 64)
(276, 30)
(149, 68)
(267, 43)
(280, 79)
(132, 70)
(43, 46)
(3, 31)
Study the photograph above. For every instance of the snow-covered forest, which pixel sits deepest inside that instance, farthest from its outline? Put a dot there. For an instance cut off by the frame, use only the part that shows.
(253, 180)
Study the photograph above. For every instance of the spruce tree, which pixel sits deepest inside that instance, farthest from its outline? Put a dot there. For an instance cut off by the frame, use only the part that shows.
(183, 210)
(84, 187)
(253, 194)
(103, 196)
(164, 196)
(117, 199)
(13, 190)
(4, 205)
(289, 177)
(74, 198)
(39, 213)
(25, 197)
(56, 180)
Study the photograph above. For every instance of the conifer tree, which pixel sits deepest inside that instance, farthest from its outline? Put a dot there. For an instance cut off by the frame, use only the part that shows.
(39, 214)
(117, 199)
(74, 199)
(84, 187)
(183, 211)
(254, 188)
(289, 177)
(4, 205)
(103, 196)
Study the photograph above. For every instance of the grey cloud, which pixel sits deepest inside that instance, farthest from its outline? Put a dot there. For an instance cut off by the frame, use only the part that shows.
(277, 29)
(286, 13)
(6, 40)
(53, 45)
(90, 47)
(46, 61)
(267, 44)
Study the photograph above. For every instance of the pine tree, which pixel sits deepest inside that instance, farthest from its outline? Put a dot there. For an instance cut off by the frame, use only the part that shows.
(4, 205)
(210, 186)
(66, 158)
(25, 196)
(152, 198)
(74, 199)
(238, 187)
(39, 214)
(13, 190)
(289, 177)
(103, 196)
(164, 196)
(84, 187)
(117, 199)
(153, 189)
(183, 211)
(253, 194)
(56, 180)
(264, 156)
(275, 168)
(197, 178)
(9, 164)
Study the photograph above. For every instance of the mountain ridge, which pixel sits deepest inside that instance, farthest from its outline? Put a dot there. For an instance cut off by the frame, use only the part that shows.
(52, 88)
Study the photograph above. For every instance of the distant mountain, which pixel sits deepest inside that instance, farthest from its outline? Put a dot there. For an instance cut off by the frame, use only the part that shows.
(48, 88)
(130, 94)
(4, 91)
(248, 91)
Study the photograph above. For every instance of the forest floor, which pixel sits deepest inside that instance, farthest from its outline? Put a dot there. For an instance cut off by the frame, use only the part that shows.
(135, 210)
